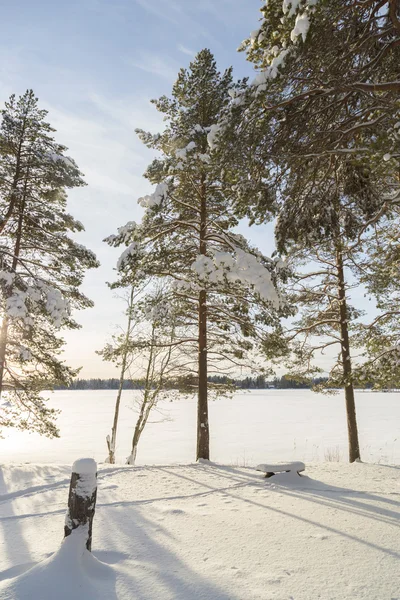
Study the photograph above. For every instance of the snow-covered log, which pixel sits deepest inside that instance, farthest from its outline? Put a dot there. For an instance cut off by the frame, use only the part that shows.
(271, 469)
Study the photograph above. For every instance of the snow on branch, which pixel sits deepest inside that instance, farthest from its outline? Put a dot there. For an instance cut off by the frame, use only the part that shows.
(156, 197)
(54, 157)
(277, 55)
(55, 304)
(243, 267)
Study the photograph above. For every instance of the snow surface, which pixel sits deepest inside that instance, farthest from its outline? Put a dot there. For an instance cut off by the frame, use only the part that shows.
(72, 572)
(84, 466)
(204, 532)
(261, 426)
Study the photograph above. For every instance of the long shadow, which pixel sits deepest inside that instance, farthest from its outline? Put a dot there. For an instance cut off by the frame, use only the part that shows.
(14, 546)
(347, 499)
(37, 489)
(120, 503)
(343, 500)
(397, 467)
(157, 571)
(282, 489)
(306, 484)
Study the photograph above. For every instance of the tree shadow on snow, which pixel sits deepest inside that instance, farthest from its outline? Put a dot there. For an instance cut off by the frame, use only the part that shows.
(314, 491)
(14, 547)
(156, 571)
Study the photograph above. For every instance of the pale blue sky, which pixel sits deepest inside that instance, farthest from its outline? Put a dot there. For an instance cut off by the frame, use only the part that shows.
(95, 64)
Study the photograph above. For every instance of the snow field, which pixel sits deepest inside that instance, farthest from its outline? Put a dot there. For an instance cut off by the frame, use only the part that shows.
(204, 532)
(261, 426)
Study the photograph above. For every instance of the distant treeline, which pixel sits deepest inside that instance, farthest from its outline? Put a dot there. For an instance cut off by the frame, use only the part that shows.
(246, 383)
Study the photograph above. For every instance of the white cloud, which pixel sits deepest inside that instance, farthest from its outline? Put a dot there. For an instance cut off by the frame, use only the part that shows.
(156, 65)
(185, 50)
(164, 10)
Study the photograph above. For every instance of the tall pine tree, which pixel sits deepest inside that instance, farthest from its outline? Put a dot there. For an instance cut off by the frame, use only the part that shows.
(322, 113)
(224, 289)
(41, 267)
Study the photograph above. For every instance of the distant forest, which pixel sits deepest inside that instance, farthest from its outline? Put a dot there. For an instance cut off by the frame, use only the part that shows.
(246, 383)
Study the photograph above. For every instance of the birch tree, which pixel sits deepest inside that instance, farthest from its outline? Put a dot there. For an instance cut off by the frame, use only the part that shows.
(119, 352)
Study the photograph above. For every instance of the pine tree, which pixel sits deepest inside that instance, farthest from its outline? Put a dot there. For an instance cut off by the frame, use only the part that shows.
(322, 113)
(222, 287)
(326, 320)
(41, 267)
(324, 218)
(337, 61)
(381, 279)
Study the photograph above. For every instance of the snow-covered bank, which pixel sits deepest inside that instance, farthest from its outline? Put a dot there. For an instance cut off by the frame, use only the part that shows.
(255, 427)
(204, 532)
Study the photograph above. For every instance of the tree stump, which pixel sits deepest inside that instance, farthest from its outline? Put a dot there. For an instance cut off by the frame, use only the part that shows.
(82, 498)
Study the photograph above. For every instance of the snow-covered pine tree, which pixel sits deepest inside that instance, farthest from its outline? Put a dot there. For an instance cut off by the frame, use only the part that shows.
(41, 267)
(225, 289)
(338, 64)
(327, 85)
(322, 112)
(325, 219)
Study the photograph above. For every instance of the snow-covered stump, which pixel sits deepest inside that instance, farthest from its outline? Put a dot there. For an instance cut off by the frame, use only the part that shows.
(82, 498)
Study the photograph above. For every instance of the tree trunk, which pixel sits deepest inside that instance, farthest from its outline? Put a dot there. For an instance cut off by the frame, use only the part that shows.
(3, 348)
(146, 404)
(16, 178)
(203, 433)
(354, 447)
(111, 444)
(140, 424)
(82, 498)
(4, 326)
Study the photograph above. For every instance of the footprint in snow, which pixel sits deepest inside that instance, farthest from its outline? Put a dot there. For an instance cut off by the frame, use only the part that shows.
(173, 511)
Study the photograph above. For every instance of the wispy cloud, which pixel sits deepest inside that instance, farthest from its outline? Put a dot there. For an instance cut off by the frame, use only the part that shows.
(185, 50)
(167, 11)
(156, 65)
(184, 14)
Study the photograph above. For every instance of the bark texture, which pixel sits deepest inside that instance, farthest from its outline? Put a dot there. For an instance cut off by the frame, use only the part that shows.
(81, 504)
(352, 429)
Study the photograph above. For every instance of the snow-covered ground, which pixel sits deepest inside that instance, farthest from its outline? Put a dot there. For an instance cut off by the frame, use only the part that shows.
(251, 428)
(205, 532)
(208, 532)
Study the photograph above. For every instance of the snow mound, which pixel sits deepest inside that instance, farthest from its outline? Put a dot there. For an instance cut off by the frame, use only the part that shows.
(71, 573)
(280, 467)
(86, 466)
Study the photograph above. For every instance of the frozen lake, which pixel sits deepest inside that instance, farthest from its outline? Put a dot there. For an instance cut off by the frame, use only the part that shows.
(252, 427)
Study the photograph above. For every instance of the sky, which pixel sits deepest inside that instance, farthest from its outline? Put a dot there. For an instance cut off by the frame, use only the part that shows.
(95, 65)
